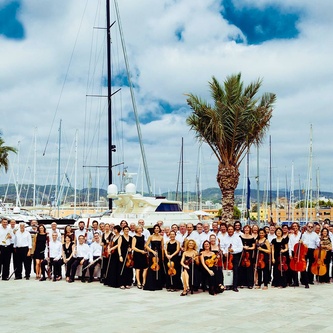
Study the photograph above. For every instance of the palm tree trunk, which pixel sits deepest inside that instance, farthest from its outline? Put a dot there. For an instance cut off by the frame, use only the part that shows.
(227, 178)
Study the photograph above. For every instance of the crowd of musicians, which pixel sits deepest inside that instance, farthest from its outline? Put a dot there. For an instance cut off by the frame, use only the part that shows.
(181, 257)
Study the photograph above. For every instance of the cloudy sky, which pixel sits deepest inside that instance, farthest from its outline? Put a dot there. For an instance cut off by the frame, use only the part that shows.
(53, 56)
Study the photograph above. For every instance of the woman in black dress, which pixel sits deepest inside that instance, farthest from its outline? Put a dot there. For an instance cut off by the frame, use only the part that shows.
(215, 247)
(154, 246)
(106, 241)
(68, 231)
(326, 245)
(125, 257)
(39, 248)
(245, 271)
(279, 259)
(172, 264)
(67, 254)
(113, 263)
(139, 257)
(189, 261)
(262, 259)
(209, 262)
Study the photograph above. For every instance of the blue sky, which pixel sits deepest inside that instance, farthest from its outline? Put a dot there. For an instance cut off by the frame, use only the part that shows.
(174, 47)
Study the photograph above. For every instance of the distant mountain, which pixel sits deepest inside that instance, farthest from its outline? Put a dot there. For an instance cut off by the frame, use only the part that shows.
(46, 194)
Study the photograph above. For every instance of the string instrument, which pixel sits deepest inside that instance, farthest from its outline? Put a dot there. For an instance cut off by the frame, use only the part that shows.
(171, 268)
(282, 266)
(298, 261)
(246, 261)
(129, 260)
(260, 258)
(48, 256)
(155, 266)
(318, 267)
(228, 263)
(210, 262)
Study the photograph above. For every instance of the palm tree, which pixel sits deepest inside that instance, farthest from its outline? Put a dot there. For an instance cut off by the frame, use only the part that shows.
(4, 150)
(237, 120)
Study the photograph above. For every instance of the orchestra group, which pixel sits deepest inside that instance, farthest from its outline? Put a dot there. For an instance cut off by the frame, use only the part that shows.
(182, 257)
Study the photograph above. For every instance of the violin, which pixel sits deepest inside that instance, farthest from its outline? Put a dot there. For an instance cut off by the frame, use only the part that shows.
(298, 261)
(129, 260)
(228, 264)
(246, 261)
(282, 266)
(260, 258)
(171, 268)
(155, 266)
(210, 262)
(318, 267)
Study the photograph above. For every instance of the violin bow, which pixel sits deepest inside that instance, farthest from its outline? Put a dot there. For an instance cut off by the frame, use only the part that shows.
(192, 277)
(122, 269)
(281, 268)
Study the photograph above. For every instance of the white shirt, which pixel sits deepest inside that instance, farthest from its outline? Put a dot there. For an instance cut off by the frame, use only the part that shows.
(204, 236)
(13, 232)
(82, 251)
(193, 236)
(4, 241)
(78, 233)
(235, 242)
(146, 234)
(311, 239)
(180, 238)
(270, 237)
(55, 249)
(50, 232)
(95, 251)
(293, 239)
(131, 233)
(22, 239)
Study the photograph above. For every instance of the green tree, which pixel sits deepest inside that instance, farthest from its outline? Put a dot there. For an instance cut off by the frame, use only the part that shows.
(236, 120)
(4, 150)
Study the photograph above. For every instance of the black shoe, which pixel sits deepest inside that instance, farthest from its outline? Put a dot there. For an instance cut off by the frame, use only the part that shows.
(236, 290)
(18, 278)
(90, 280)
(42, 279)
(83, 280)
(311, 283)
(70, 281)
(307, 286)
(27, 277)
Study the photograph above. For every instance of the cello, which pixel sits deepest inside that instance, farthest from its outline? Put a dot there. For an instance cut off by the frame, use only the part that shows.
(228, 263)
(318, 267)
(298, 261)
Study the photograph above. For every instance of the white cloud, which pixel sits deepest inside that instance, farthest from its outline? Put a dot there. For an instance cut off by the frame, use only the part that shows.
(32, 71)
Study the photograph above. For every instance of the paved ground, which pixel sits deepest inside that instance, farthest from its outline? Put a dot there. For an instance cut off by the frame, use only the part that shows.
(33, 306)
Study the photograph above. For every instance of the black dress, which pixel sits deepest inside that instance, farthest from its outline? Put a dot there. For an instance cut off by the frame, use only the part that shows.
(68, 251)
(279, 275)
(140, 259)
(173, 281)
(155, 276)
(263, 273)
(40, 246)
(213, 281)
(112, 268)
(125, 273)
(245, 270)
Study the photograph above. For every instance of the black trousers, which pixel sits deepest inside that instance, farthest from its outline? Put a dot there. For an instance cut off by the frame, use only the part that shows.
(22, 260)
(75, 264)
(235, 264)
(55, 265)
(92, 268)
(307, 276)
(5, 253)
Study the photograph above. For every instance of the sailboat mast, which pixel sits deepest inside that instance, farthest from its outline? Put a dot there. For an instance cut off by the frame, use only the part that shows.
(108, 50)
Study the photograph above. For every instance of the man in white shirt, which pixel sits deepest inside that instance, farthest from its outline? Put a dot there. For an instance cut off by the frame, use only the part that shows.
(79, 232)
(232, 244)
(132, 232)
(238, 228)
(294, 238)
(13, 227)
(53, 230)
(192, 234)
(95, 253)
(145, 232)
(53, 258)
(181, 235)
(22, 248)
(312, 241)
(5, 248)
(82, 258)
(271, 234)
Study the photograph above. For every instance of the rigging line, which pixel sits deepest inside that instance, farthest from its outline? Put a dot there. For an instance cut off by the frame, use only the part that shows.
(143, 155)
(65, 79)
